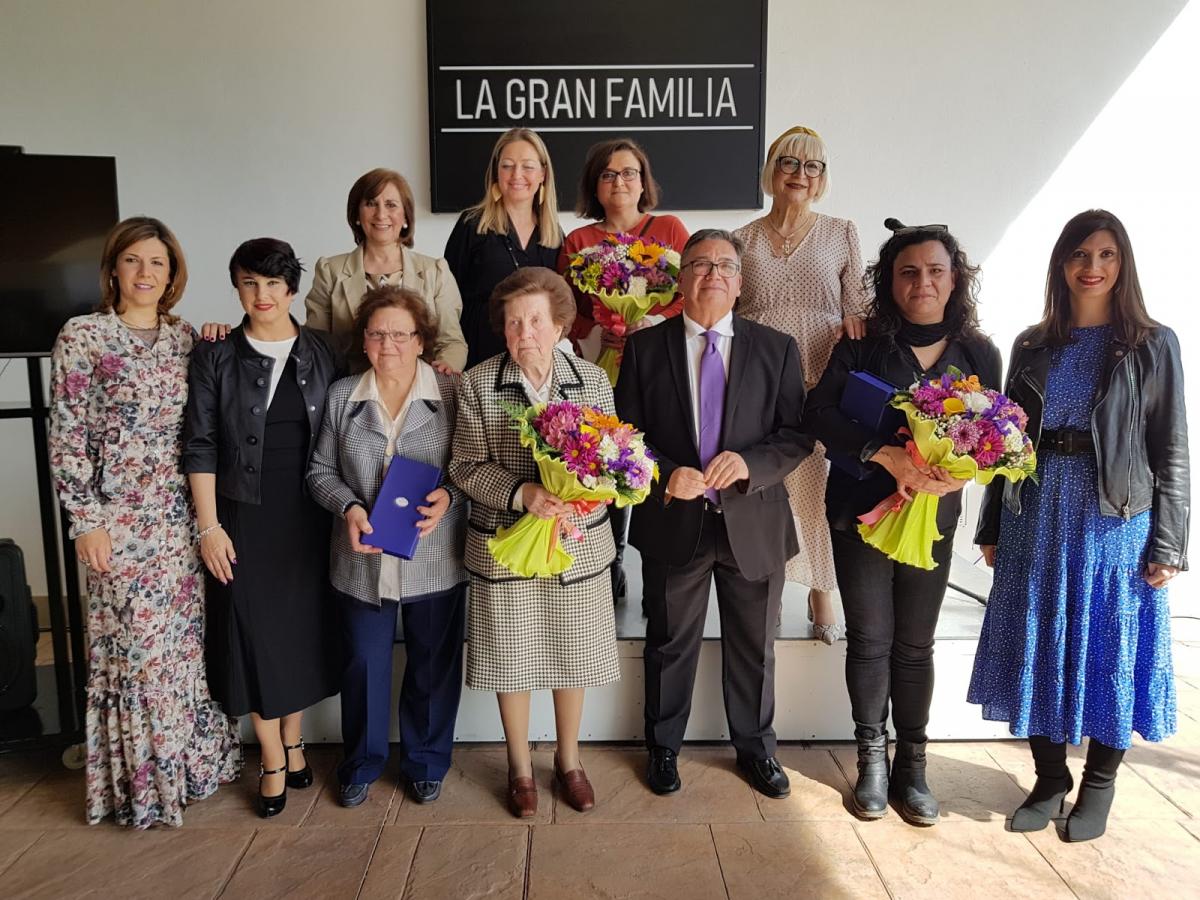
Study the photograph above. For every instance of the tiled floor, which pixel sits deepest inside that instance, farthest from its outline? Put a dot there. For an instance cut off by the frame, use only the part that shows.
(717, 838)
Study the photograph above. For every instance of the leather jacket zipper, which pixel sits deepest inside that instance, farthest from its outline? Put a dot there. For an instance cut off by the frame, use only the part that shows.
(1129, 439)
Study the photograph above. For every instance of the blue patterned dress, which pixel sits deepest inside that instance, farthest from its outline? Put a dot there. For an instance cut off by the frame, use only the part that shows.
(1074, 642)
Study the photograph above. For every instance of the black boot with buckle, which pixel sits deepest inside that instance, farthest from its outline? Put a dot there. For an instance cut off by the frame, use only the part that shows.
(870, 795)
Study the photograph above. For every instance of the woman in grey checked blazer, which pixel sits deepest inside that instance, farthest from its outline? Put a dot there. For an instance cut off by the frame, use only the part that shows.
(398, 407)
(532, 633)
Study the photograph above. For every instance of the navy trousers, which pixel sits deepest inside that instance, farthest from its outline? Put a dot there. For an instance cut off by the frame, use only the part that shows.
(429, 693)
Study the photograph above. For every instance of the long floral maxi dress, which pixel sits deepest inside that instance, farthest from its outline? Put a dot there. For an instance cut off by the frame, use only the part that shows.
(155, 738)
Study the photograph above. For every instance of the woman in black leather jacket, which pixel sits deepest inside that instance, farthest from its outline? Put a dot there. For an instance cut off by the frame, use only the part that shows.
(922, 321)
(254, 412)
(1076, 639)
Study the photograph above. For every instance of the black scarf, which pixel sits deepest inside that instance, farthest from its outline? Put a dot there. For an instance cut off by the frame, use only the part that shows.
(921, 335)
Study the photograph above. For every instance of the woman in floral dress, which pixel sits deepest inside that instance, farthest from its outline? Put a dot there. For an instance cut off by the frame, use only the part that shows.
(155, 738)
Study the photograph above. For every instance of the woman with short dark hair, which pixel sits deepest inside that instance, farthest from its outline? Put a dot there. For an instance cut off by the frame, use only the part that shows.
(399, 407)
(254, 412)
(921, 322)
(555, 633)
(1076, 639)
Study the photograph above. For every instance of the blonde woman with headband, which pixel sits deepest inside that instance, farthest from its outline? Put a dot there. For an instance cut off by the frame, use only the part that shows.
(513, 226)
(802, 274)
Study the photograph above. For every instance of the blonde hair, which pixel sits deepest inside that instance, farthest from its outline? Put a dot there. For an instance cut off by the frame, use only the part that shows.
(490, 213)
(800, 143)
(123, 236)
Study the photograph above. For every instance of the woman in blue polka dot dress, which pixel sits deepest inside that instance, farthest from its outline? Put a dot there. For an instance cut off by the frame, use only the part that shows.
(1076, 639)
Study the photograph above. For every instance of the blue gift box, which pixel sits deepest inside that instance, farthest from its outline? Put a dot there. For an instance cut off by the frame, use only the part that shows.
(867, 400)
(394, 517)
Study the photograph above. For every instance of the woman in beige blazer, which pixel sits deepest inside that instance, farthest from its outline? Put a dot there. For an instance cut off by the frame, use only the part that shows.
(380, 213)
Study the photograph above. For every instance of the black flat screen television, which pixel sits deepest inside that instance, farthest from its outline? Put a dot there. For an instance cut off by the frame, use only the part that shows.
(55, 212)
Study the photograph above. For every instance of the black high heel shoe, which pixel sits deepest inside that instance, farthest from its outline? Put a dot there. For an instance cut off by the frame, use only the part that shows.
(271, 806)
(303, 778)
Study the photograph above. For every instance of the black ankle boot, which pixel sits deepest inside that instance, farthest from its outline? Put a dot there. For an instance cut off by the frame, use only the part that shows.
(871, 790)
(1089, 817)
(1049, 793)
(918, 806)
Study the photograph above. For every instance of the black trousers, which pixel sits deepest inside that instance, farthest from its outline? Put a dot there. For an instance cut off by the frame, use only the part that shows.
(676, 600)
(891, 614)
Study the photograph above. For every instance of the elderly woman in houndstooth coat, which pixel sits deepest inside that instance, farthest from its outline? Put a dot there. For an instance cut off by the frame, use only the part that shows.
(398, 407)
(532, 633)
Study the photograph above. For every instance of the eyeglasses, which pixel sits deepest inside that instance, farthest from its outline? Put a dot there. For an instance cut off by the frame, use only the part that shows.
(399, 338)
(527, 168)
(726, 268)
(789, 165)
(608, 176)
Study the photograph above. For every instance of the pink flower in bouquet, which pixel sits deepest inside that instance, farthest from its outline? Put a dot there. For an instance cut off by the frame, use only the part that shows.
(989, 445)
(929, 398)
(580, 454)
(557, 423)
(965, 434)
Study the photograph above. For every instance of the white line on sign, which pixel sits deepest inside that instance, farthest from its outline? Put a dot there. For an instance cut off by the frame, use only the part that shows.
(591, 68)
(623, 128)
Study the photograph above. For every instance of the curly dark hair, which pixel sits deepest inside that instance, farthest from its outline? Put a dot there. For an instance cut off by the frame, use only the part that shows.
(961, 315)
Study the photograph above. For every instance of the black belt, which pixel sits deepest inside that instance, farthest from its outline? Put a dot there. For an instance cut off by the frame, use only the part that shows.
(1068, 442)
(711, 507)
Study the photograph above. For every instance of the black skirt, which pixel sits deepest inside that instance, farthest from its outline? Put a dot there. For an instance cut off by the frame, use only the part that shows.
(273, 638)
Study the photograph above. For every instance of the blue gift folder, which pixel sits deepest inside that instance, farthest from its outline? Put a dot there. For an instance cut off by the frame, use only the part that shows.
(866, 400)
(394, 516)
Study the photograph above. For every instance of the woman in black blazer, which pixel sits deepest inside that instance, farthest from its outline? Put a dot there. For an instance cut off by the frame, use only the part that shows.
(514, 225)
(921, 322)
(254, 412)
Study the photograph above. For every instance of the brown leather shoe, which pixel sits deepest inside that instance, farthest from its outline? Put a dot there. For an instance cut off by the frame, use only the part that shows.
(575, 787)
(522, 796)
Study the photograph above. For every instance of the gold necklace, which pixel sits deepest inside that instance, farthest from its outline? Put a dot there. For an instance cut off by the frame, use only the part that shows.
(128, 324)
(786, 247)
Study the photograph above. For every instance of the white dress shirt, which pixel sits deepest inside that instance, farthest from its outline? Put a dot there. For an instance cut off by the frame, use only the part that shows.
(424, 387)
(535, 396)
(694, 343)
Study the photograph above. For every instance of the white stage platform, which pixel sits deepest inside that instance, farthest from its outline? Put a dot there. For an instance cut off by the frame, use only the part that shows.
(810, 687)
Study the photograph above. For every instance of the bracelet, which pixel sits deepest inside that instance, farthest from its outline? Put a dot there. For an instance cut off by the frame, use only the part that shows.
(209, 530)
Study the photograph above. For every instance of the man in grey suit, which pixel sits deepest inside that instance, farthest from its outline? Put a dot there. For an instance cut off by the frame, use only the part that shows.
(720, 399)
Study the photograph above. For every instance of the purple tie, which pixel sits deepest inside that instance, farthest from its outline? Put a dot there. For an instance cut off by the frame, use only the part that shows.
(712, 404)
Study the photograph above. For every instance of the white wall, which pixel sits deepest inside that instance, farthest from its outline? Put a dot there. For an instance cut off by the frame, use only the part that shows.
(231, 120)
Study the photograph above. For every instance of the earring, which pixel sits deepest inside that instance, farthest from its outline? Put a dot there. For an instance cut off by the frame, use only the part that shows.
(541, 194)
(496, 195)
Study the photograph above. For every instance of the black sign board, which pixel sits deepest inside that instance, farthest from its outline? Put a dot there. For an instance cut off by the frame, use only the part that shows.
(685, 78)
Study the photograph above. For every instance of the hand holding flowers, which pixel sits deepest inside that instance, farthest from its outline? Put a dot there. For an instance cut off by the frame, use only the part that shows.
(585, 458)
(958, 431)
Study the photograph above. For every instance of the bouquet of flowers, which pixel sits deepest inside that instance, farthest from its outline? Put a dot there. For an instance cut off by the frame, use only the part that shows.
(971, 432)
(584, 457)
(627, 277)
